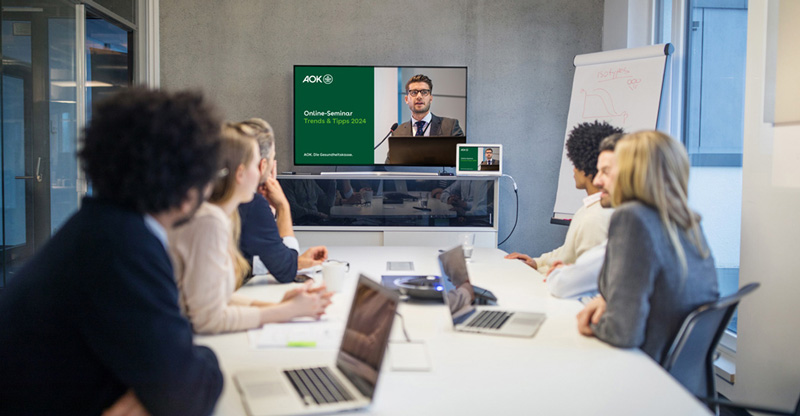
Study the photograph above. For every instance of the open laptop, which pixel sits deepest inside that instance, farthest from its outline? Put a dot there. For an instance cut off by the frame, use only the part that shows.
(350, 384)
(457, 292)
(424, 151)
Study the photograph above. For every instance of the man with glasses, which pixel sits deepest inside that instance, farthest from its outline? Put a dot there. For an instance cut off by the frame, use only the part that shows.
(419, 96)
(487, 160)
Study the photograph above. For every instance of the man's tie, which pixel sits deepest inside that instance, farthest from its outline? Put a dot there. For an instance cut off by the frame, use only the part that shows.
(420, 131)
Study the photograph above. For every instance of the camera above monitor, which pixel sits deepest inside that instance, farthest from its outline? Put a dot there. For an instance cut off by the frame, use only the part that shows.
(343, 115)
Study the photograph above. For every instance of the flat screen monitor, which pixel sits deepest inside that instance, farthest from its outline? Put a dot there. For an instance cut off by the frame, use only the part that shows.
(342, 114)
(479, 159)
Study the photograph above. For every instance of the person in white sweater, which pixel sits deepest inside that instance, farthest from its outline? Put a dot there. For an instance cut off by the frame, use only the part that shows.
(589, 226)
(580, 279)
(208, 264)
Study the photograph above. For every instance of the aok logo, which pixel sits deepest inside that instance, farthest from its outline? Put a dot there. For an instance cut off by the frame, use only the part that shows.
(313, 79)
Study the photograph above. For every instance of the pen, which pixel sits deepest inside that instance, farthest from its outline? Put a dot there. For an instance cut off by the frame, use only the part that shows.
(306, 344)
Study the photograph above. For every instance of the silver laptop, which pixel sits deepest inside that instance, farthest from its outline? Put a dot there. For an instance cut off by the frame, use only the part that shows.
(459, 294)
(349, 384)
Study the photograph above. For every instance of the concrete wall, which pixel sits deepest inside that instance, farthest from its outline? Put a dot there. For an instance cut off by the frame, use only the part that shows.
(519, 55)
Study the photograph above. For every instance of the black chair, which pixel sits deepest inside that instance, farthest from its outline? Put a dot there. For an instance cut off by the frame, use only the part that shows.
(731, 405)
(691, 357)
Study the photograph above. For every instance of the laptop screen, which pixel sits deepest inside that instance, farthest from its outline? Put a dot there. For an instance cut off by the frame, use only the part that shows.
(458, 292)
(367, 334)
(424, 151)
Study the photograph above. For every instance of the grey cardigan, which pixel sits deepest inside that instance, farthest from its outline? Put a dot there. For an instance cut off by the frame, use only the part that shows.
(647, 298)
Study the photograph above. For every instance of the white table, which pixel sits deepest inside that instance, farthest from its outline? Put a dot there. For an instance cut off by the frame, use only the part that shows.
(557, 372)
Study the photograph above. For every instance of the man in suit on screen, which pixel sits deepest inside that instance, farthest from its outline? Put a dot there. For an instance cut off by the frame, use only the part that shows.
(487, 160)
(419, 96)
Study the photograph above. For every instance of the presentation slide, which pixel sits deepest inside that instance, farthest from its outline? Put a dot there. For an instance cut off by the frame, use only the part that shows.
(468, 158)
(334, 114)
(343, 113)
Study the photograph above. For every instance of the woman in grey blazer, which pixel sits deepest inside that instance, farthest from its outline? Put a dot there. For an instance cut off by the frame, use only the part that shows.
(658, 267)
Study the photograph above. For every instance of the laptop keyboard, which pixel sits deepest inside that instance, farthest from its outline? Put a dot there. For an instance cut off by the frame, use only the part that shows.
(490, 319)
(318, 384)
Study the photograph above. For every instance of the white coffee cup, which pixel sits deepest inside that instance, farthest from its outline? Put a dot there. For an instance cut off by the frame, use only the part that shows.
(467, 241)
(367, 196)
(334, 273)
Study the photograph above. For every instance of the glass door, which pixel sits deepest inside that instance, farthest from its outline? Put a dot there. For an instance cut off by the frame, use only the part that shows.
(38, 47)
(58, 58)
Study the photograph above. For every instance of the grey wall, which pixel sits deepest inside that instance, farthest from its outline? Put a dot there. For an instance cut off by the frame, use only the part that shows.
(519, 55)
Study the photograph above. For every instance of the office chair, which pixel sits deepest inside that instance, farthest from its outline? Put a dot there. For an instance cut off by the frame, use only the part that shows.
(690, 359)
(713, 402)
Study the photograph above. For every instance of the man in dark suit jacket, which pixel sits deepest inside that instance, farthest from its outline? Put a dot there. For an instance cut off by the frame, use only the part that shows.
(92, 322)
(264, 235)
(419, 96)
(488, 160)
(439, 126)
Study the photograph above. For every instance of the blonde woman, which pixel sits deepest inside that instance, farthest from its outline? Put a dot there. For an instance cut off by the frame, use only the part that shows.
(208, 264)
(658, 267)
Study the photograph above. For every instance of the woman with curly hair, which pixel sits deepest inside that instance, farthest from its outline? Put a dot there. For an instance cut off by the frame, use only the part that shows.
(589, 225)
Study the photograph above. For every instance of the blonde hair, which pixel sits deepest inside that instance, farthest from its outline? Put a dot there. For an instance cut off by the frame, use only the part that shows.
(236, 151)
(654, 169)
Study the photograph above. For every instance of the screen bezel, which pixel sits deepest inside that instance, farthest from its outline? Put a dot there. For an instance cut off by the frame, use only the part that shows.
(465, 126)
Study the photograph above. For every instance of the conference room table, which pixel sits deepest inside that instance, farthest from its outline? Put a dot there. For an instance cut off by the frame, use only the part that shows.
(555, 372)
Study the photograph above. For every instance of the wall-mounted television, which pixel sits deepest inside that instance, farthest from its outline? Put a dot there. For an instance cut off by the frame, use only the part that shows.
(343, 113)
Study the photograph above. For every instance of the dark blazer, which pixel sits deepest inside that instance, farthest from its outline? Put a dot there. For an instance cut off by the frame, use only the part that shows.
(489, 162)
(95, 313)
(440, 126)
(260, 238)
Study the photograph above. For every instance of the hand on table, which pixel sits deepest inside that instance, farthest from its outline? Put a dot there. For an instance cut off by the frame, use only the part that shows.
(312, 257)
(524, 257)
(591, 315)
(307, 300)
(556, 265)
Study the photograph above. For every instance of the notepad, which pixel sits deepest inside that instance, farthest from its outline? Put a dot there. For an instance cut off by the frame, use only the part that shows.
(300, 334)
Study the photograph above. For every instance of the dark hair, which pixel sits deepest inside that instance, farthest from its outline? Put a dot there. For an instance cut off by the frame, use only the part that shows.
(583, 144)
(420, 78)
(610, 143)
(145, 149)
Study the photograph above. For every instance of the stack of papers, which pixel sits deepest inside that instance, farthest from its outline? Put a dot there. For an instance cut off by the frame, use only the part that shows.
(308, 334)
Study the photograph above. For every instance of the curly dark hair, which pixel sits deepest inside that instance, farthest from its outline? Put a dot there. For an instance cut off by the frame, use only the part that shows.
(583, 144)
(145, 149)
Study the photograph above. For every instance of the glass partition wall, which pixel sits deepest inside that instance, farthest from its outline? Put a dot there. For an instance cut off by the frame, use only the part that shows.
(58, 58)
(375, 201)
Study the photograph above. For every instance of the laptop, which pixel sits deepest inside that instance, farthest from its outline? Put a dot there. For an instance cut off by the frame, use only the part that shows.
(424, 151)
(347, 385)
(458, 293)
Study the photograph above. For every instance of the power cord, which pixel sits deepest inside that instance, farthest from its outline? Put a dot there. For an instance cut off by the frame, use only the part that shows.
(516, 213)
(403, 326)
